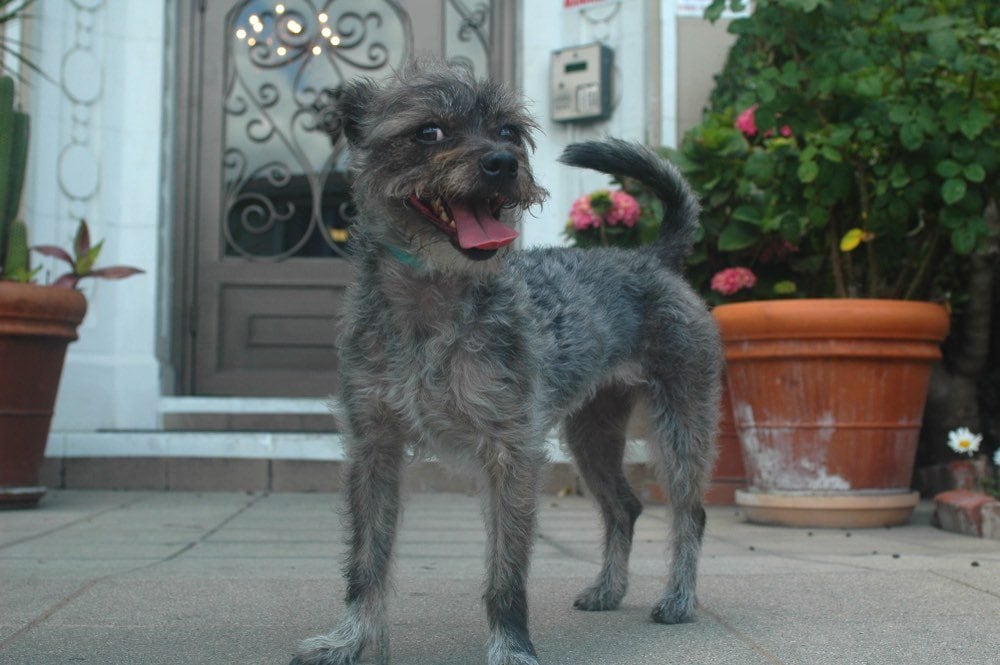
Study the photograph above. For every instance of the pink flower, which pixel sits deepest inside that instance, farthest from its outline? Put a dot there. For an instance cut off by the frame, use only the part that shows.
(746, 122)
(617, 207)
(624, 209)
(729, 281)
(582, 215)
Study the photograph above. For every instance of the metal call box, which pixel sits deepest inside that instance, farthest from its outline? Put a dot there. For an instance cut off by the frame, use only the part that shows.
(581, 83)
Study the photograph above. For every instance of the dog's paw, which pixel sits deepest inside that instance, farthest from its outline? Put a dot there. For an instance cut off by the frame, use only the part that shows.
(511, 652)
(597, 599)
(326, 657)
(324, 651)
(515, 659)
(674, 609)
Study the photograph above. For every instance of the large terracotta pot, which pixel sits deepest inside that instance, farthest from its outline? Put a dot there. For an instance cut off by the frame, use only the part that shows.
(828, 397)
(36, 324)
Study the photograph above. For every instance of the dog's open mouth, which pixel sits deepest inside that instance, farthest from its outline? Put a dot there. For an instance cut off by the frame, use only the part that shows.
(472, 225)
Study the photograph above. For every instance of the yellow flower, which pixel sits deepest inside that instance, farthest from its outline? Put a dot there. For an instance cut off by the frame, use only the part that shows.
(853, 238)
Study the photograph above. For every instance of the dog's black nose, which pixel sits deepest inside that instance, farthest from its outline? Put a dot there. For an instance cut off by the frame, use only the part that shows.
(499, 164)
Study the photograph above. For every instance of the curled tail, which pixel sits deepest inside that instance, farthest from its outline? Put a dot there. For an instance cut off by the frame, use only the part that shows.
(634, 160)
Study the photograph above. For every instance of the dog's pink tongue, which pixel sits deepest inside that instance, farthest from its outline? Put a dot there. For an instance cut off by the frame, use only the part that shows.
(479, 229)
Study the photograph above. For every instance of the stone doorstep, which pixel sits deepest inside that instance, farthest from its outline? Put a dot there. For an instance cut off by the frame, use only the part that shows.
(288, 475)
(968, 512)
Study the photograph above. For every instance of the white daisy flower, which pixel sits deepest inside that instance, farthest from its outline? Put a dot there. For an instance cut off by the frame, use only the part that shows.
(962, 440)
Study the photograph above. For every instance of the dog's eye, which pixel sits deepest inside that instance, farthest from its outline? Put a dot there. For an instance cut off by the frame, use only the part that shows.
(430, 134)
(507, 132)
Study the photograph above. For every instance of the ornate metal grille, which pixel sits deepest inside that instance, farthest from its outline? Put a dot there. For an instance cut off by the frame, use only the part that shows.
(467, 34)
(285, 193)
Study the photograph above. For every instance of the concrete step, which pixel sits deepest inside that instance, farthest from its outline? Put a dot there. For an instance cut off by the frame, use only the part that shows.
(279, 445)
(240, 414)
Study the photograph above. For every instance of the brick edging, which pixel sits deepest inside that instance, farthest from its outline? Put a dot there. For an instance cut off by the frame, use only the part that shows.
(967, 512)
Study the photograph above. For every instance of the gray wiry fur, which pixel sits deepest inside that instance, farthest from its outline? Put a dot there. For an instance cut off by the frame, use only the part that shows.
(475, 356)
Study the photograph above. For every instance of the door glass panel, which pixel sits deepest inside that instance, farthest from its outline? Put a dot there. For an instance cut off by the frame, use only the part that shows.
(285, 187)
(467, 34)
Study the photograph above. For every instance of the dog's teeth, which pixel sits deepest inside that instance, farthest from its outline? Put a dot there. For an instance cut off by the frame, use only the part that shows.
(444, 216)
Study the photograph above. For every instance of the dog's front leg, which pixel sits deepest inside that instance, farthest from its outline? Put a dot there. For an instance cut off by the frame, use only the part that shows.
(509, 511)
(373, 480)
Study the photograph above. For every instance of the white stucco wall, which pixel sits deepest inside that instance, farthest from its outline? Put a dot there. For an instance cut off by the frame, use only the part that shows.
(628, 28)
(95, 154)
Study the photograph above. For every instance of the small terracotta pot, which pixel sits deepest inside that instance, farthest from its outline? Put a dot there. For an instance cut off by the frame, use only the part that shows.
(828, 397)
(36, 325)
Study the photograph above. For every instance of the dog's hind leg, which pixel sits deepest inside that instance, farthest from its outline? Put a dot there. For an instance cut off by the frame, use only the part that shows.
(373, 484)
(684, 451)
(509, 511)
(595, 435)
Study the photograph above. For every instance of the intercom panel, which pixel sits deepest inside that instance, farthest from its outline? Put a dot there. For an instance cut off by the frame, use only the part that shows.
(581, 83)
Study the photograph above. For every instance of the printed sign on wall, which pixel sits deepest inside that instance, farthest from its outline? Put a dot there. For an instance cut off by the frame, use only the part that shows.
(696, 8)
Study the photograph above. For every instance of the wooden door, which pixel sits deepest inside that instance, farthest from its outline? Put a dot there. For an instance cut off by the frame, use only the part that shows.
(267, 214)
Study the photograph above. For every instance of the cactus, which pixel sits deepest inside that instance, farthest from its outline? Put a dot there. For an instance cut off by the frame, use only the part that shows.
(14, 128)
(15, 265)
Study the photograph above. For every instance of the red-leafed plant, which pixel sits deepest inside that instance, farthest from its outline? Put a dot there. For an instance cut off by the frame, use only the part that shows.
(82, 260)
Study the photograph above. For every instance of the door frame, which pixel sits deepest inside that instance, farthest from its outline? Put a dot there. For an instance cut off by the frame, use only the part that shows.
(186, 32)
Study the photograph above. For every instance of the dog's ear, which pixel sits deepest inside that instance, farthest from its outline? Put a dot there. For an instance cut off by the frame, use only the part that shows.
(328, 118)
(355, 97)
(339, 111)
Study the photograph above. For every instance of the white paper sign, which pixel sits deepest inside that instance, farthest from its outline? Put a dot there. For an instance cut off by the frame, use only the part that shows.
(696, 9)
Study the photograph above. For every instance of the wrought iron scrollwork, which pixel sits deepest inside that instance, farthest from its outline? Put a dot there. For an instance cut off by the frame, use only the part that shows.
(285, 191)
(468, 38)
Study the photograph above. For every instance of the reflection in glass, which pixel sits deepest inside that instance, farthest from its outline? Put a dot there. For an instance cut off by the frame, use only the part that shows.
(285, 188)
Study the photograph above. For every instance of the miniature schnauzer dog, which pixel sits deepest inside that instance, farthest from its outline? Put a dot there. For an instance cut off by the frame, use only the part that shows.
(455, 346)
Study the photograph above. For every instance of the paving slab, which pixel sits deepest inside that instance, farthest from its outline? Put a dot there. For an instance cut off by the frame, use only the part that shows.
(185, 577)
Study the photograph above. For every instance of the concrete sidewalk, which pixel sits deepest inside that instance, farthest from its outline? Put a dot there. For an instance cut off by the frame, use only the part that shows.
(177, 578)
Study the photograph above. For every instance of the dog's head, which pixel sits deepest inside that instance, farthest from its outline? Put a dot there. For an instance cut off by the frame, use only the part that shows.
(440, 161)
